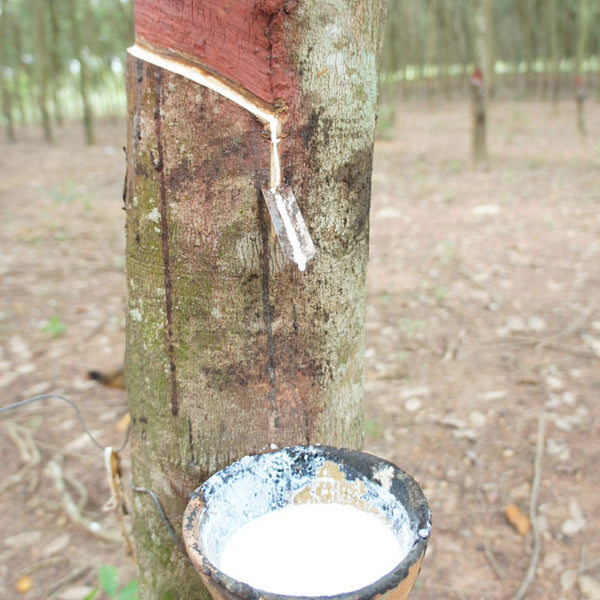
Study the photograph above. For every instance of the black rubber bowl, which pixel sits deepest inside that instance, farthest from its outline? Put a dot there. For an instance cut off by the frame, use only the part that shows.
(256, 485)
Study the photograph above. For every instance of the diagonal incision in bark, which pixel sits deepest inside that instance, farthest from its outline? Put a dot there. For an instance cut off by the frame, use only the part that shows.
(290, 225)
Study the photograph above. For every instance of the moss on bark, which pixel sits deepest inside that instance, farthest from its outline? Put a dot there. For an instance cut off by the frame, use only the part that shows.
(229, 348)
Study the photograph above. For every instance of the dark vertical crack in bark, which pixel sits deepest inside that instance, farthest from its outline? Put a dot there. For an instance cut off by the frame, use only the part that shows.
(160, 167)
(192, 463)
(266, 298)
(304, 397)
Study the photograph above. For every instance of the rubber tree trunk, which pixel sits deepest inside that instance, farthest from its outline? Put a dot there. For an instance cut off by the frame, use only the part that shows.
(489, 68)
(230, 349)
(81, 23)
(527, 22)
(43, 69)
(554, 57)
(582, 32)
(55, 62)
(24, 75)
(479, 84)
(5, 84)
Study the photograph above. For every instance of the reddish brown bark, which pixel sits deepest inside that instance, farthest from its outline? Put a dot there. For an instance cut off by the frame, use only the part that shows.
(241, 41)
(230, 348)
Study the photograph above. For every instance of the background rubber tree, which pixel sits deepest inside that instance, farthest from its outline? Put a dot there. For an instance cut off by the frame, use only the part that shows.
(230, 349)
(481, 78)
(581, 42)
(6, 98)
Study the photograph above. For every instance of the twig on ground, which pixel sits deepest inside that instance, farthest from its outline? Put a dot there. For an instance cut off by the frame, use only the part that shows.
(534, 342)
(452, 346)
(589, 567)
(570, 329)
(568, 349)
(489, 555)
(79, 487)
(42, 563)
(54, 470)
(461, 593)
(74, 574)
(495, 301)
(23, 439)
(533, 509)
(30, 455)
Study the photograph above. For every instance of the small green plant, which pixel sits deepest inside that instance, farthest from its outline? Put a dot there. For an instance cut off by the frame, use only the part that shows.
(411, 326)
(54, 327)
(536, 162)
(441, 293)
(109, 585)
(67, 193)
(61, 236)
(454, 165)
(447, 252)
(373, 429)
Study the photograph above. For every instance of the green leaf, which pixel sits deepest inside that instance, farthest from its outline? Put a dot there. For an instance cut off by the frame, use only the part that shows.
(92, 594)
(109, 580)
(129, 592)
(54, 326)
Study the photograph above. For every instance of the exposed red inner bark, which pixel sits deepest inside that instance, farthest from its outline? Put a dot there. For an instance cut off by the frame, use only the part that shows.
(239, 40)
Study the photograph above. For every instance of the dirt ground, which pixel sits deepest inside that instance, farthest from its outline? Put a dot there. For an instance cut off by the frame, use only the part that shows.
(483, 322)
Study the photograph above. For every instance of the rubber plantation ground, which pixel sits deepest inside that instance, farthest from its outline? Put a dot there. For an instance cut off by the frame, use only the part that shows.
(483, 322)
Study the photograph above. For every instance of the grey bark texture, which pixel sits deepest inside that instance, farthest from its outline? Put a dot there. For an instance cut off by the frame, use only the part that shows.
(5, 90)
(479, 92)
(231, 349)
(41, 57)
(582, 34)
(79, 26)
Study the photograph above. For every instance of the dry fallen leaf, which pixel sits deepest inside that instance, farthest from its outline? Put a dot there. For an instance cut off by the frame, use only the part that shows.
(517, 518)
(123, 423)
(24, 584)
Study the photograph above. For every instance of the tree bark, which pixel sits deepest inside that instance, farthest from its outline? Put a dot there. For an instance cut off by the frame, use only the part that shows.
(41, 56)
(479, 85)
(553, 53)
(527, 20)
(77, 26)
(489, 68)
(231, 349)
(5, 90)
(582, 31)
(23, 75)
(391, 57)
(56, 63)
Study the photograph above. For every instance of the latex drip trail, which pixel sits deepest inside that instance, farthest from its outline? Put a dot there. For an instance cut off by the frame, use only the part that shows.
(288, 222)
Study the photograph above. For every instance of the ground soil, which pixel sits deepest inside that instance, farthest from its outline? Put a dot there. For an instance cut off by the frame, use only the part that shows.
(483, 321)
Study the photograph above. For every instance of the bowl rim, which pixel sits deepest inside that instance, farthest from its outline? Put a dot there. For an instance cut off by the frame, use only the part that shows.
(364, 464)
